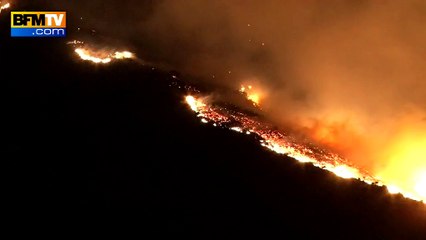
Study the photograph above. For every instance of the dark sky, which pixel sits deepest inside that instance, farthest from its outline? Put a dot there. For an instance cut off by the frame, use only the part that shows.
(80, 137)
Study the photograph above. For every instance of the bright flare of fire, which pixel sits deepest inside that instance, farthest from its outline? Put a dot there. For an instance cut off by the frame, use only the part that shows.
(122, 55)
(398, 178)
(251, 94)
(406, 168)
(85, 55)
(102, 56)
(420, 186)
(4, 6)
(346, 172)
(195, 104)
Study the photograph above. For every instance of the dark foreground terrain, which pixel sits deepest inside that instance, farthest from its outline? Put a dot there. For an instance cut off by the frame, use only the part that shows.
(90, 141)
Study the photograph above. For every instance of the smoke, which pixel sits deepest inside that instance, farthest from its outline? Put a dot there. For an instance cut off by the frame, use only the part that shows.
(349, 74)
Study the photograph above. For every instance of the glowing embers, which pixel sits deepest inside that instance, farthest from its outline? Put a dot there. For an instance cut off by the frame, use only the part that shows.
(205, 112)
(275, 140)
(303, 154)
(306, 153)
(102, 56)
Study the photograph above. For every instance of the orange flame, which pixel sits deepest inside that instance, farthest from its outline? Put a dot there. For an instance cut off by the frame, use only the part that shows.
(85, 55)
(398, 178)
(251, 94)
(406, 164)
(102, 56)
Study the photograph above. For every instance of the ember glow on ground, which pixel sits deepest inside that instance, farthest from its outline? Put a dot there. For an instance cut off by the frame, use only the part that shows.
(284, 144)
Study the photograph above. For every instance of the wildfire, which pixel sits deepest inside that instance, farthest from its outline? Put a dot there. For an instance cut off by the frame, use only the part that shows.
(85, 55)
(251, 94)
(194, 104)
(122, 55)
(346, 172)
(399, 176)
(420, 186)
(305, 152)
(102, 56)
(4, 6)
(276, 140)
(406, 168)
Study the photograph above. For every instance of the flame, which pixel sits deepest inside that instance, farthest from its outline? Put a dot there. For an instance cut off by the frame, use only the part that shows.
(402, 153)
(85, 55)
(420, 186)
(345, 172)
(400, 177)
(406, 165)
(195, 104)
(4, 6)
(122, 55)
(251, 94)
(277, 141)
(393, 189)
(101, 56)
(408, 180)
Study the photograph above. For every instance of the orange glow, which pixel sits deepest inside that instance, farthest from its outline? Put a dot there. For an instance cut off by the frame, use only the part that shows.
(325, 134)
(252, 94)
(87, 56)
(405, 177)
(346, 172)
(402, 154)
(122, 55)
(195, 104)
(277, 141)
(406, 165)
(102, 56)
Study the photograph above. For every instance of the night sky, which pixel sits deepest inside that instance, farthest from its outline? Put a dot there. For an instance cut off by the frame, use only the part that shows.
(79, 138)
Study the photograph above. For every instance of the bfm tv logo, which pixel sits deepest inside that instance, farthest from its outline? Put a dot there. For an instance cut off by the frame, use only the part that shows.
(38, 24)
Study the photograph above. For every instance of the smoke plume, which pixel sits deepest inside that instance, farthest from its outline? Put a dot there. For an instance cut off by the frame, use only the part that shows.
(348, 74)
